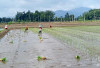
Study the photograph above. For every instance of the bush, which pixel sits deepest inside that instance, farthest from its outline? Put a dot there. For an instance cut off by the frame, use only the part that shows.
(9, 23)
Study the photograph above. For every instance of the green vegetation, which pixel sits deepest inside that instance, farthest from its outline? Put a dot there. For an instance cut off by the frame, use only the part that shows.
(5, 20)
(85, 38)
(1, 30)
(49, 16)
(3, 60)
(93, 14)
(39, 58)
(77, 57)
(35, 30)
(11, 42)
(42, 16)
(24, 41)
(9, 23)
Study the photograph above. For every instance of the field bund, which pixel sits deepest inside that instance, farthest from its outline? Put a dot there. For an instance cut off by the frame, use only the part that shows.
(53, 24)
(3, 32)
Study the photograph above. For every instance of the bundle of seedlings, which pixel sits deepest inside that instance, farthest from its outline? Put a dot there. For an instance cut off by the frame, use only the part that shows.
(3, 60)
(41, 58)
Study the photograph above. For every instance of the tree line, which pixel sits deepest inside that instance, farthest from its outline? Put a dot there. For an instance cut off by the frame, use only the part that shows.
(93, 14)
(42, 16)
(5, 19)
(37, 16)
(49, 16)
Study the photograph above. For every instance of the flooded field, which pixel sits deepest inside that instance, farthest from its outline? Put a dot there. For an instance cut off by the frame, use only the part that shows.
(1, 29)
(22, 49)
(85, 38)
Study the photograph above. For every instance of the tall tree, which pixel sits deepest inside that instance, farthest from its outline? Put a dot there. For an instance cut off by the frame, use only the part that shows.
(67, 17)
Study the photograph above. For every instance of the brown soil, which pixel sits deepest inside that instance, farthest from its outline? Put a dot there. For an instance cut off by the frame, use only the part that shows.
(46, 25)
(53, 24)
(4, 32)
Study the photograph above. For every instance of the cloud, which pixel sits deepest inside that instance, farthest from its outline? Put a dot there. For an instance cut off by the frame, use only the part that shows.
(9, 8)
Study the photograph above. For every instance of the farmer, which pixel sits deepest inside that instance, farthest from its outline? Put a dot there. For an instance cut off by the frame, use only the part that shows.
(40, 30)
(26, 28)
(50, 26)
(5, 26)
(40, 33)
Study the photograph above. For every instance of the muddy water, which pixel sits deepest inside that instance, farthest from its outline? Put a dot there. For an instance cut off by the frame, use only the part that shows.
(22, 48)
(1, 29)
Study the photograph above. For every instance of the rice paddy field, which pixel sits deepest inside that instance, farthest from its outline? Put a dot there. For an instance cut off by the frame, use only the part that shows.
(61, 47)
(1, 30)
(85, 38)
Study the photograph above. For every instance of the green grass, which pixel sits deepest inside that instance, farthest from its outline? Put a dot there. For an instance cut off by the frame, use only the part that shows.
(1, 31)
(94, 29)
(85, 38)
(35, 30)
(39, 58)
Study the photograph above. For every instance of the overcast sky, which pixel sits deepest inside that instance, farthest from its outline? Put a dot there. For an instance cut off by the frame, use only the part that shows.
(8, 8)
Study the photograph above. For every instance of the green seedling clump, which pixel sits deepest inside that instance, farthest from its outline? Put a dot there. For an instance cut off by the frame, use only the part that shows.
(39, 58)
(9, 23)
(77, 57)
(4, 59)
(40, 37)
(24, 41)
(11, 42)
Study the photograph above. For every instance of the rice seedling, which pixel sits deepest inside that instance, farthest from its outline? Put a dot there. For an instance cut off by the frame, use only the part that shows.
(41, 58)
(3, 60)
(77, 57)
(24, 41)
(85, 38)
(11, 42)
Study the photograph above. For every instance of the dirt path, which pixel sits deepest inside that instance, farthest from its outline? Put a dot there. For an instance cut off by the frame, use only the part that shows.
(21, 50)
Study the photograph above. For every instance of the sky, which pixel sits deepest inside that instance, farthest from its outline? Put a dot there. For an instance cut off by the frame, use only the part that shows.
(9, 8)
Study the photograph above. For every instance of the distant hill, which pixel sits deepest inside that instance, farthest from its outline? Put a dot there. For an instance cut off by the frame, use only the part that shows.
(77, 12)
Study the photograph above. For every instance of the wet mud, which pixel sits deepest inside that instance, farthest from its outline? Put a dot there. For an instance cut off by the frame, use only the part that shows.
(22, 49)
